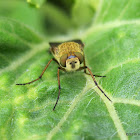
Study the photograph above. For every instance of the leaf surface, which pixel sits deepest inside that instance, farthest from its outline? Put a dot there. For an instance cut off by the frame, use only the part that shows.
(83, 112)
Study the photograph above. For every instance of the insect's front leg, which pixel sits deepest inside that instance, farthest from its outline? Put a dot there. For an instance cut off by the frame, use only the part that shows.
(86, 71)
(85, 67)
(59, 86)
(40, 75)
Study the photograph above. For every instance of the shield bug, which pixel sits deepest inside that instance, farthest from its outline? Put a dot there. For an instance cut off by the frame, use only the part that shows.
(70, 57)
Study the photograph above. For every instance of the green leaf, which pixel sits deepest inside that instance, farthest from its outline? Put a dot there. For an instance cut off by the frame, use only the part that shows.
(22, 12)
(83, 112)
(36, 3)
(82, 12)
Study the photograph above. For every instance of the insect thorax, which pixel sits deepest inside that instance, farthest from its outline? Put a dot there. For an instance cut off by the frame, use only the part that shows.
(67, 48)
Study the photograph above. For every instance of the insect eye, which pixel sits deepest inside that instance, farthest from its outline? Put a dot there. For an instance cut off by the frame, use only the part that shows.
(63, 60)
(80, 56)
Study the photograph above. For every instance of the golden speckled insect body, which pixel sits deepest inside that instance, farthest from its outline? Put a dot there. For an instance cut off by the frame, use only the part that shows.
(70, 57)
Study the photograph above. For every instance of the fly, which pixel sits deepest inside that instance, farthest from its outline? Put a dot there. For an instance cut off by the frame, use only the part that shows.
(69, 56)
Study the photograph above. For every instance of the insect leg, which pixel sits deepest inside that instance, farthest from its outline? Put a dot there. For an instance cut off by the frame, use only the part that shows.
(40, 75)
(81, 68)
(88, 73)
(97, 84)
(84, 66)
(95, 75)
(98, 76)
(58, 87)
(95, 81)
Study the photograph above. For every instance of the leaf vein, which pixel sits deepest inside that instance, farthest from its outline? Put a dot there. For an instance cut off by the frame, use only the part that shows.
(126, 101)
(26, 57)
(120, 64)
(109, 25)
(66, 115)
(98, 11)
(113, 114)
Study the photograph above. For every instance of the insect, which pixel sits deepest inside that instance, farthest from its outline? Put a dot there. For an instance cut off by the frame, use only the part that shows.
(69, 56)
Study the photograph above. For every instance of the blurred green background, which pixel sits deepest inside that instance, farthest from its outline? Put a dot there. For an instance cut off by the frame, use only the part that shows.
(50, 17)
